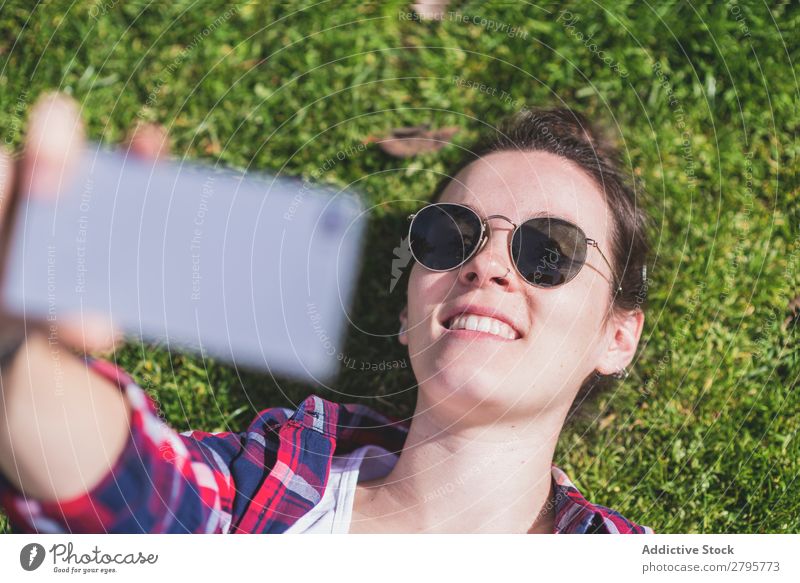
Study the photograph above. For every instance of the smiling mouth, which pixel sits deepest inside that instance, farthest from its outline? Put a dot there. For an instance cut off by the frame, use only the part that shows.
(483, 325)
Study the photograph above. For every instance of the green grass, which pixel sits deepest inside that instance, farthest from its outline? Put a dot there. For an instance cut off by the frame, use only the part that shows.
(703, 437)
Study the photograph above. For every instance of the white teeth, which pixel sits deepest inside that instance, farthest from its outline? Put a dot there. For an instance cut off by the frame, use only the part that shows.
(483, 324)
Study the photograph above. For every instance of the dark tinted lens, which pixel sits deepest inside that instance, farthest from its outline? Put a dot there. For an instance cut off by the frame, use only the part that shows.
(548, 252)
(444, 235)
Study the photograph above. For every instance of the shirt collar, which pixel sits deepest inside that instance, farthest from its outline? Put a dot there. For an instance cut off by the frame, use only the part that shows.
(354, 425)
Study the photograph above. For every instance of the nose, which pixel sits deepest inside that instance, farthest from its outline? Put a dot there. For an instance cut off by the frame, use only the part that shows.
(492, 262)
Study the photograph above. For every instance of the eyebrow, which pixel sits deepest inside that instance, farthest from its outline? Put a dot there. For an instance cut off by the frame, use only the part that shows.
(547, 215)
(535, 215)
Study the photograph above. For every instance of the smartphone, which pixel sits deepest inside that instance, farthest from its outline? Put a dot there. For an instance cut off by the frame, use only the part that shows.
(253, 269)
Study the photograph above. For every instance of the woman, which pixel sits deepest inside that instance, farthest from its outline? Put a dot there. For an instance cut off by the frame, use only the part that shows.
(525, 296)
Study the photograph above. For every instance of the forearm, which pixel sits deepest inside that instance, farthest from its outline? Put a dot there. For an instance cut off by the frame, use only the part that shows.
(61, 425)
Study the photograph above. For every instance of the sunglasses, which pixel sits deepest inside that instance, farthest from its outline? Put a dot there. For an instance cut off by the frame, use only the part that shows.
(546, 251)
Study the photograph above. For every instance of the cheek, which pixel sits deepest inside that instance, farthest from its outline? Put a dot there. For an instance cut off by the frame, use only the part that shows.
(571, 317)
(426, 291)
(416, 301)
(416, 293)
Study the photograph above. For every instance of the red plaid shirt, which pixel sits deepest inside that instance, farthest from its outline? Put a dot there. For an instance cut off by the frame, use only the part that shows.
(261, 480)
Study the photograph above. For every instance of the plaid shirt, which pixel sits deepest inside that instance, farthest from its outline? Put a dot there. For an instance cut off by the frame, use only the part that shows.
(261, 480)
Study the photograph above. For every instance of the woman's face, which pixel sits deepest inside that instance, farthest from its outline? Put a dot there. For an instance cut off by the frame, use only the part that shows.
(560, 336)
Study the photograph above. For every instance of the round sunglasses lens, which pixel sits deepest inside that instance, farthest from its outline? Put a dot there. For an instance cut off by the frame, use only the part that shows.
(443, 236)
(548, 252)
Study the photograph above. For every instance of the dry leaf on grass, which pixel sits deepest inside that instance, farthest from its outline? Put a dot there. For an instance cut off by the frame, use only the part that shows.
(410, 141)
(794, 316)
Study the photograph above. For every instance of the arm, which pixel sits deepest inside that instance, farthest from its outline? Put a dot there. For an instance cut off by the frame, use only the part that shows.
(153, 481)
(81, 451)
(49, 403)
(61, 427)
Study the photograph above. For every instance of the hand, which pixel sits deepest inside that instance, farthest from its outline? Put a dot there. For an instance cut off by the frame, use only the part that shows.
(53, 146)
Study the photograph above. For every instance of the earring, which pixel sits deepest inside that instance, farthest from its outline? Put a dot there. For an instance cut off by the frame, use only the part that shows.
(622, 373)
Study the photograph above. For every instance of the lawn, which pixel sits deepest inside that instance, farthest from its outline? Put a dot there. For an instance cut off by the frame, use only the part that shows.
(703, 436)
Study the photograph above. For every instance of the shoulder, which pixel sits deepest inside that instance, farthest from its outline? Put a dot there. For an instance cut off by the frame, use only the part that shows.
(576, 515)
(608, 521)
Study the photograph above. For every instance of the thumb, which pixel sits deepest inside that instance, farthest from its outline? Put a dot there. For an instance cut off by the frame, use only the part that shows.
(53, 145)
(89, 332)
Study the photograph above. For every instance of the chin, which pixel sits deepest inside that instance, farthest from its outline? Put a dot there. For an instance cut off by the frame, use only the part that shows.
(483, 393)
(463, 385)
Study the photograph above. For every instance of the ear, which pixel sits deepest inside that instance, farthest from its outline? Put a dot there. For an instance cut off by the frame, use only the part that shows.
(621, 342)
(402, 336)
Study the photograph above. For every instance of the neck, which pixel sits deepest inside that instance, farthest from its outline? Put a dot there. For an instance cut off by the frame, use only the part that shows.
(462, 477)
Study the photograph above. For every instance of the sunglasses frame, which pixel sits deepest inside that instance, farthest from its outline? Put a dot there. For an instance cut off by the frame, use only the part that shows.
(483, 237)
